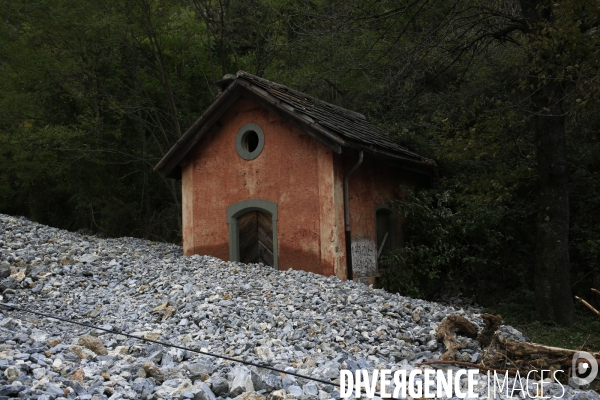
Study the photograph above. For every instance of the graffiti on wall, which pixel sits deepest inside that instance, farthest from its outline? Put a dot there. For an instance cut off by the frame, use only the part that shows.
(364, 257)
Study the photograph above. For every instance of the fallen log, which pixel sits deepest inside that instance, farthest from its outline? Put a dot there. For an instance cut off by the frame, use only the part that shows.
(525, 349)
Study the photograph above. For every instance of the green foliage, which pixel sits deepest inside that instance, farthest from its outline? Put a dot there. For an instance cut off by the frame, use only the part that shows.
(452, 246)
(517, 310)
(93, 94)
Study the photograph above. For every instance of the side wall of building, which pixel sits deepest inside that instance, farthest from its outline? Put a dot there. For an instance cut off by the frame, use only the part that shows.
(373, 184)
(293, 170)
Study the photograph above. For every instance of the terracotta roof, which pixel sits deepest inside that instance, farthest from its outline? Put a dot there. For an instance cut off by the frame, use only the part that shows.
(334, 126)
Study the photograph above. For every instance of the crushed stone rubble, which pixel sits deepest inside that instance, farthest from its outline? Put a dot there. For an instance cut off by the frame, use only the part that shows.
(292, 320)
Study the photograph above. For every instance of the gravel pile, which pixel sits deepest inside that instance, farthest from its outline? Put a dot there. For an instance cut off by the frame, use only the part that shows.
(294, 321)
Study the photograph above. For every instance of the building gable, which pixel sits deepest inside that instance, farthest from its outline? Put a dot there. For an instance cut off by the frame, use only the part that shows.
(332, 126)
(293, 172)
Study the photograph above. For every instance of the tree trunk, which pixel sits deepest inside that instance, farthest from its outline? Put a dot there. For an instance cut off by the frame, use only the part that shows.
(554, 301)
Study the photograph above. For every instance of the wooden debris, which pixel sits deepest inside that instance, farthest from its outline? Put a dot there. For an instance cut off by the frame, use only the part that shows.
(525, 349)
(492, 323)
(588, 305)
(503, 355)
(446, 330)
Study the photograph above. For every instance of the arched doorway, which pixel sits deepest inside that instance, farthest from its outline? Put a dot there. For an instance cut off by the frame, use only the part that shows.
(253, 232)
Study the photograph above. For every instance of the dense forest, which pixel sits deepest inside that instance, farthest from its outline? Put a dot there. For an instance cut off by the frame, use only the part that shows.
(501, 94)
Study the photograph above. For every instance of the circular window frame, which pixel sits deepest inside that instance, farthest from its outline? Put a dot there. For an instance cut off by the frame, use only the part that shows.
(241, 136)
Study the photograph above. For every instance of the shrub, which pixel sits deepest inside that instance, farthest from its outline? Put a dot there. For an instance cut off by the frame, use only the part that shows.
(481, 250)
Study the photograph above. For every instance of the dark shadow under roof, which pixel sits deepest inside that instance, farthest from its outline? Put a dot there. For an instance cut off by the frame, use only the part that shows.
(333, 126)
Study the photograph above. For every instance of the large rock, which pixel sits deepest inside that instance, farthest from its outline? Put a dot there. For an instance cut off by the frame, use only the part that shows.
(265, 379)
(220, 386)
(12, 372)
(78, 375)
(295, 391)
(11, 390)
(8, 283)
(4, 270)
(153, 371)
(242, 382)
(196, 370)
(277, 395)
(310, 389)
(264, 353)
(9, 323)
(82, 352)
(203, 392)
(88, 258)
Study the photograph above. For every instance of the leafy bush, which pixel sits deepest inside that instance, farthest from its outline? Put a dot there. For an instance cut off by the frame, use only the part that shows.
(480, 250)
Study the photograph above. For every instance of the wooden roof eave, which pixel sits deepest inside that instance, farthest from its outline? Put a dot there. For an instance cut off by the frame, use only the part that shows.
(426, 167)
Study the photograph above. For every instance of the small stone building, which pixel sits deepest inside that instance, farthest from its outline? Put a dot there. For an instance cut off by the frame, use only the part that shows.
(275, 176)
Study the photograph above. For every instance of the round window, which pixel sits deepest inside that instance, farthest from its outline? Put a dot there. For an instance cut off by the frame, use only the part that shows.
(249, 141)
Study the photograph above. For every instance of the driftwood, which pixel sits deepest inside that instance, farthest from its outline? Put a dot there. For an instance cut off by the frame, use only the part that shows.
(445, 331)
(492, 323)
(503, 355)
(524, 349)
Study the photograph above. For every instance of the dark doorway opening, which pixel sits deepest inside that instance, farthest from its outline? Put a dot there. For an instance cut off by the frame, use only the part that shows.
(384, 225)
(256, 237)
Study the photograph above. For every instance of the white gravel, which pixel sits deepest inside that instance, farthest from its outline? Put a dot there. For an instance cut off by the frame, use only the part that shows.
(292, 320)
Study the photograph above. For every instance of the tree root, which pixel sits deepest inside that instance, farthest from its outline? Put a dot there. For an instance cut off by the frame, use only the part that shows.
(492, 323)
(445, 331)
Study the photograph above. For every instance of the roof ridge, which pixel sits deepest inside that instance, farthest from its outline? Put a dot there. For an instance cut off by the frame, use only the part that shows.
(355, 114)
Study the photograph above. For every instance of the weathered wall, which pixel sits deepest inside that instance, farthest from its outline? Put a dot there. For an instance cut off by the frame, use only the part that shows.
(372, 184)
(293, 170)
(340, 232)
(187, 208)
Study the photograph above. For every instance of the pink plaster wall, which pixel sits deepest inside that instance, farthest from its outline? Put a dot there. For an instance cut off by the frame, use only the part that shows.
(293, 170)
